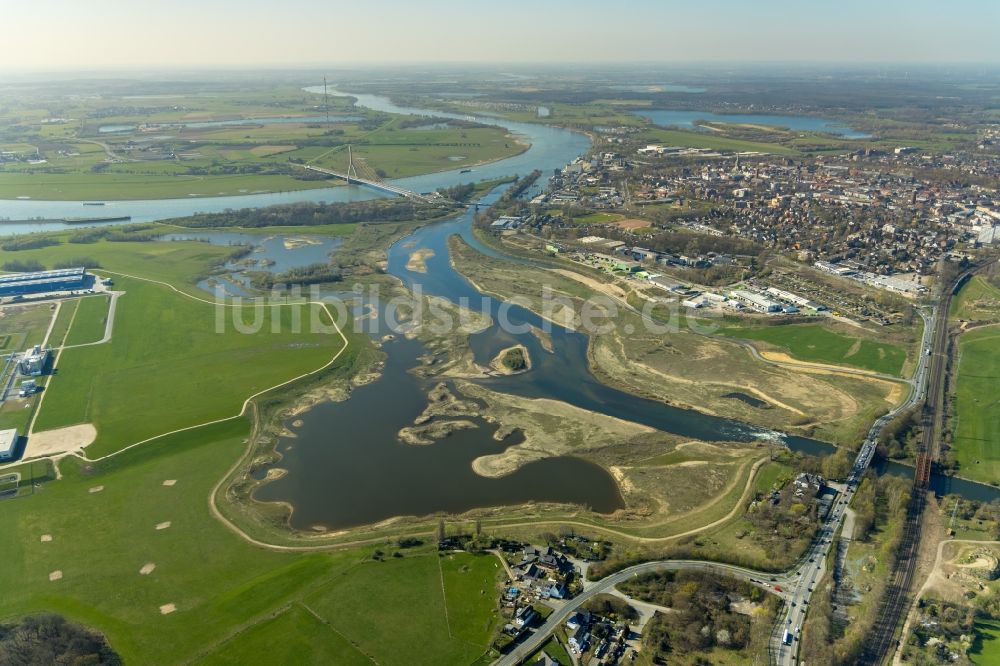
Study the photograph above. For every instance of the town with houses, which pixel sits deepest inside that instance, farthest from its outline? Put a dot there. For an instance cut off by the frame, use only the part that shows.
(878, 213)
(543, 579)
(881, 219)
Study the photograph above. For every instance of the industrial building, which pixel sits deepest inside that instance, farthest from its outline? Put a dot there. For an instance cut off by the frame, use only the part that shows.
(33, 363)
(8, 443)
(16, 284)
(757, 301)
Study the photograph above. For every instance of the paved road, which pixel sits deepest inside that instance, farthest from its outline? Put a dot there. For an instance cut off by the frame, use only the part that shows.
(796, 584)
(109, 324)
(533, 642)
(812, 569)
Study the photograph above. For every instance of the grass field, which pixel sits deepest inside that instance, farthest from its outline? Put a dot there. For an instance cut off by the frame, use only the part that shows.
(235, 603)
(555, 650)
(977, 405)
(178, 263)
(426, 610)
(22, 326)
(174, 362)
(89, 321)
(986, 647)
(978, 300)
(67, 313)
(817, 344)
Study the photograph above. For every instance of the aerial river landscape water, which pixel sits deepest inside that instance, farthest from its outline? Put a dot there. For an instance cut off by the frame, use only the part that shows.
(345, 466)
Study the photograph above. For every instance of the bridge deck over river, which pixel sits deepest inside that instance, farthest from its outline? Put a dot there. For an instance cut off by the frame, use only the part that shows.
(380, 185)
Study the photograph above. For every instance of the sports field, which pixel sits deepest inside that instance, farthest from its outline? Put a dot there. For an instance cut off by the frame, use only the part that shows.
(817, 344)
(977, 405)
(103, 525)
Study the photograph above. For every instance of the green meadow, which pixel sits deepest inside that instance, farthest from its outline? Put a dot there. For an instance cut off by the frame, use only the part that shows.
(89, 320)
(817, 344)
(978, 300)
(208, 596)
(977, 405)
(986, 646)
(174, 362)
(22, 326)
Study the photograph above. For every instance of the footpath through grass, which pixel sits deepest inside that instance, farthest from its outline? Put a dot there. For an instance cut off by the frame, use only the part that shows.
(977, 405)
(232, 602)
(816, 344)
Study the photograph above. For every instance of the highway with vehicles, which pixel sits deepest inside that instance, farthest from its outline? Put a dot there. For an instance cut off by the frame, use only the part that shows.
(784, 647)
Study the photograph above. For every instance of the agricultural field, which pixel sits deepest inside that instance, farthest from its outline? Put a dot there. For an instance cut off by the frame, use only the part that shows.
(148, 507)
(977, 405)
(818, 344)
(222, 144)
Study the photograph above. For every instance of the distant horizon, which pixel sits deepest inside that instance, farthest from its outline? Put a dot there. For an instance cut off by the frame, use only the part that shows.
(666, 67)
(100, 35)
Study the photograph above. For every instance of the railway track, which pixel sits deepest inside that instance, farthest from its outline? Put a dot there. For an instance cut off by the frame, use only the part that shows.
(896, 600)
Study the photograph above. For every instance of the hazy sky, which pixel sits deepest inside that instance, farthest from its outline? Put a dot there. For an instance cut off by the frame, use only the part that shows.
(71, 34)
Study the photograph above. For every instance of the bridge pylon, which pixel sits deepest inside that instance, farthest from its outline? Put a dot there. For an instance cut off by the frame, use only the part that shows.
(351, 169)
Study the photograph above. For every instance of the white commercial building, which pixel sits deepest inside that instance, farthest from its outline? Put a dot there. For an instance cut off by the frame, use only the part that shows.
(8, 442)
(758, 302)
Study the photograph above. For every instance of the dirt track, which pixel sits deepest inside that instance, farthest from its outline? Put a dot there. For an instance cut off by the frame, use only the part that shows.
(61, 440)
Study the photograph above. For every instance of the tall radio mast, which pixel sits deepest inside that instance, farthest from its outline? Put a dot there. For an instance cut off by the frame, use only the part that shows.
(326, 102)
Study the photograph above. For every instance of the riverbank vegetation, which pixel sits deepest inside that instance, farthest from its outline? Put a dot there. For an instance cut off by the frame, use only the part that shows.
(685, 368)
(315, 214)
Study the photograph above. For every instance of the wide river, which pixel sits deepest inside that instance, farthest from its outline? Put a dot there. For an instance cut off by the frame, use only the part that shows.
(345, 465)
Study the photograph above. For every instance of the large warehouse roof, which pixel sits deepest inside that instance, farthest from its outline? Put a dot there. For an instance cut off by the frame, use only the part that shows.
(37, 276)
